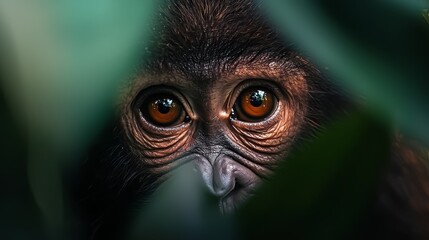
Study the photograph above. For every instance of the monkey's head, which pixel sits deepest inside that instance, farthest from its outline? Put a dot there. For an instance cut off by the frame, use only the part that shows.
(220, 89)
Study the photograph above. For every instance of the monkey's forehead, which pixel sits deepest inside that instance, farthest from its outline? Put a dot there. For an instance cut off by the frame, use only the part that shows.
(203, 37)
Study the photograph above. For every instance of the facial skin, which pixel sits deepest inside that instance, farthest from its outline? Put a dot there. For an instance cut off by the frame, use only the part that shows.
(232, 152)
(208, 72)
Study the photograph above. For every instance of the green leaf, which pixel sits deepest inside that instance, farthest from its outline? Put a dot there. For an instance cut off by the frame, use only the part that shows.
(182, 208)
(376, 49)
(322, 191)
(66, 61)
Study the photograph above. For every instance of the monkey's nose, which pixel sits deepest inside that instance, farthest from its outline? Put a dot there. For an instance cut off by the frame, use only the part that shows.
(224, 175)
(230, 176)
(227, 179)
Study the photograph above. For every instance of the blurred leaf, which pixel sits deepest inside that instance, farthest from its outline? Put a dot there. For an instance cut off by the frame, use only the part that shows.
(322, 191)
(182, 208)
(426, 15)
(18, 210)
(66, 62)
(378, 49)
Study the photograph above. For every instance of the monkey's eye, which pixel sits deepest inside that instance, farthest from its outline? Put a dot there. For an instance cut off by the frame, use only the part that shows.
(254, 104)
(163, 110)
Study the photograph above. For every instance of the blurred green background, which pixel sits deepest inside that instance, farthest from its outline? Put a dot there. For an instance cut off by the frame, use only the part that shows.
(61, 63)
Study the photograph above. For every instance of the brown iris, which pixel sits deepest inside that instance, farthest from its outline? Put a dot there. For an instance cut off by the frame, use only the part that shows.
(163, 110)
(254, 104)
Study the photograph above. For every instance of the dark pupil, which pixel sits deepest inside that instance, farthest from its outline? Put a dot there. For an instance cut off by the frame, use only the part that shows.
(164, 105)
(257, 98)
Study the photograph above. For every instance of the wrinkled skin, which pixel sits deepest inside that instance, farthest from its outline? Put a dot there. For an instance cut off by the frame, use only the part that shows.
(232, 155)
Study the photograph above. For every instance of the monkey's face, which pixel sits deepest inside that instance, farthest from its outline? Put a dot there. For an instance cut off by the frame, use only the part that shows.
(230, 100)
(235, 128)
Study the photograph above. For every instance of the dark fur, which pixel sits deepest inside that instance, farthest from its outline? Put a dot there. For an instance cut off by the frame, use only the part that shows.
(201, 38)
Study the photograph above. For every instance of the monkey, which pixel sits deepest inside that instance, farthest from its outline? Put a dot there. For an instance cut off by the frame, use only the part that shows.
(222, 89)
